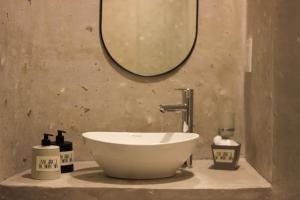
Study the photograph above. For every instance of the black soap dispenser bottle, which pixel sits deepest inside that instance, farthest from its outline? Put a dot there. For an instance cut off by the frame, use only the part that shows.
(66, 152)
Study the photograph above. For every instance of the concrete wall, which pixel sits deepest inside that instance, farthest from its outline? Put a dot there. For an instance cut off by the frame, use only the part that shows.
(286, 155)
(54, 74)
(275, 74)
(259, 88)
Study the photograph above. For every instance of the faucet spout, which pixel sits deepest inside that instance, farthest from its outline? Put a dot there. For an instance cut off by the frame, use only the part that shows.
(173, 108)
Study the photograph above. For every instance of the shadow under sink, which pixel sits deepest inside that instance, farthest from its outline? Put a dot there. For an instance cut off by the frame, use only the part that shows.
(97, 175)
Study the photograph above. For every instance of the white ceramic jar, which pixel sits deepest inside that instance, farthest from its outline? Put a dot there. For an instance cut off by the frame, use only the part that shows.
(45, 162)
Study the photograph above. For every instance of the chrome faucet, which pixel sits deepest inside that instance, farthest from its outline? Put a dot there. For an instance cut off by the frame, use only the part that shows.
(187, 114)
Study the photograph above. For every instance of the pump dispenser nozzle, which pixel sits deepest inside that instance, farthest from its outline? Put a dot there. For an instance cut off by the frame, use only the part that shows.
(60, 137)
(45, 140)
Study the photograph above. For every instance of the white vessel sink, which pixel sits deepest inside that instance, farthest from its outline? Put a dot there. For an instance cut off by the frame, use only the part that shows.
(140, 155)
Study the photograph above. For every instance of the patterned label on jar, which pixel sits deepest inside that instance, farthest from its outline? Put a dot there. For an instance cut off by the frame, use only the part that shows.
(66, 158)
(47, 163)
(224, 155)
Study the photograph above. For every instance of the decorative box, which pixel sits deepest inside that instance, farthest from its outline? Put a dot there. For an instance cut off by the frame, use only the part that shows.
(226, 157)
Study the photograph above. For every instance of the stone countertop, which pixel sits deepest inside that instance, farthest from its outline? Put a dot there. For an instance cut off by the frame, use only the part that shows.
(89, 179)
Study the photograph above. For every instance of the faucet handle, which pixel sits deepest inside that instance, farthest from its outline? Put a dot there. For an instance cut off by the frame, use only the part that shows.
(183, 89)
(186, 92)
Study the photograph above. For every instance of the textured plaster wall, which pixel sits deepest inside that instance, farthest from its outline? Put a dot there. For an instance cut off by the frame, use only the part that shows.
(54, 74)
(286, 169)
(276, 74)
(258, 88)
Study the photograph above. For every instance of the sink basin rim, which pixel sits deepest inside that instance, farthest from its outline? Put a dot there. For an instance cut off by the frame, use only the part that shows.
(191, 136)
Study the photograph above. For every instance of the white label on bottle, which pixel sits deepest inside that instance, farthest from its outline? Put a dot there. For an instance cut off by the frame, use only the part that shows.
(66, 158)
(224, 155)
(48, 163)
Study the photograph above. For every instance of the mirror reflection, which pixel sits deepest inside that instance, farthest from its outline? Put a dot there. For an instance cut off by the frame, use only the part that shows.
(148, 37)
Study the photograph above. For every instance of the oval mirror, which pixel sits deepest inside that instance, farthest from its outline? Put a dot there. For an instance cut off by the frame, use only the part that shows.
(148, 37)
